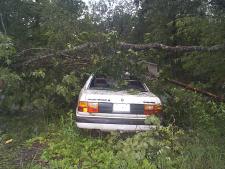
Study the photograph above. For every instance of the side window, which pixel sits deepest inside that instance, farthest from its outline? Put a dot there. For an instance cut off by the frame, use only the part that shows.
(92, 83)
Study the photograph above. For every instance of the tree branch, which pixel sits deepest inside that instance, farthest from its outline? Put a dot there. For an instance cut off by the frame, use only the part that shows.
(32, 49)
(54, 53)
(197, 90)
(159, 46)
(3, 25)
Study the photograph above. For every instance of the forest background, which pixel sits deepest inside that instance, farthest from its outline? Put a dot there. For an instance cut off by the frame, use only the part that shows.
(49, 47)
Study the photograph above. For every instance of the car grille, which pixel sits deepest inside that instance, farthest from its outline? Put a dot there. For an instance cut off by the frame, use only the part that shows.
(108, 108)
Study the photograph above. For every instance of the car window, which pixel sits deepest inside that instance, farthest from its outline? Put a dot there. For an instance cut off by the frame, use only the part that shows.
(99, 83)
(135, 84)
(110, 84)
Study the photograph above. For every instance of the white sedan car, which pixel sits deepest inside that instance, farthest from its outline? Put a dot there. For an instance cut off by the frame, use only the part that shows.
(103, 106)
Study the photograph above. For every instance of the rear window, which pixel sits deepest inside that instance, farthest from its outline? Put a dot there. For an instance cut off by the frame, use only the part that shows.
(99, 83)
(110, 84)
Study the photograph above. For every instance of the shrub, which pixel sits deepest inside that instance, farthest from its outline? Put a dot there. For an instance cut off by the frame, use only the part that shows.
(191, 111)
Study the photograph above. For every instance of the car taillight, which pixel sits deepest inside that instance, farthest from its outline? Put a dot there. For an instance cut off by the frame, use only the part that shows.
(92, 107)
(89, 107)
(83, 106)
(150, 109)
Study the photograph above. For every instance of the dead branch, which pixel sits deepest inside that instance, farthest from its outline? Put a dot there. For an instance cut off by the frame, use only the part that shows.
(197, 90)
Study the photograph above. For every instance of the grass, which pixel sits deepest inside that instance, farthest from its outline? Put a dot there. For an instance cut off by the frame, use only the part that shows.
(18, 128)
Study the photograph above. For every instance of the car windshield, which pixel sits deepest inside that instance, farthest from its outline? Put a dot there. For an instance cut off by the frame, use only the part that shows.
(102, 83)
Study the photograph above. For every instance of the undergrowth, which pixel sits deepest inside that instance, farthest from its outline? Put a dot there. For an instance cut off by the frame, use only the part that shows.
(165, 147)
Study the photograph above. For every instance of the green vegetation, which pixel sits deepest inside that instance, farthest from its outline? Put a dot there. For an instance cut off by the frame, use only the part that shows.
(164, 147)
(45, 59)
